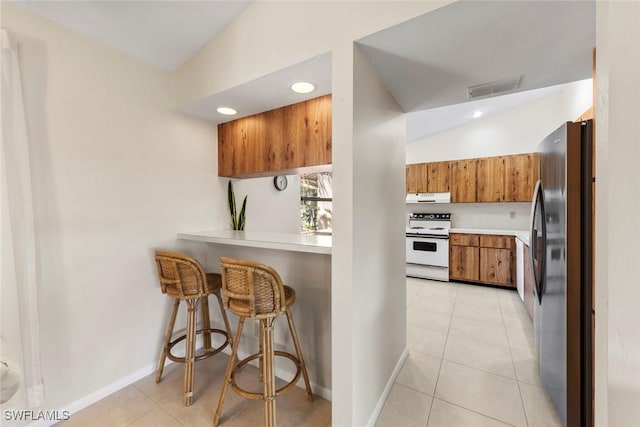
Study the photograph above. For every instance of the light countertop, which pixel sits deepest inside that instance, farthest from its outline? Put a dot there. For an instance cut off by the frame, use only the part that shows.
(294, 242)
(522, 235)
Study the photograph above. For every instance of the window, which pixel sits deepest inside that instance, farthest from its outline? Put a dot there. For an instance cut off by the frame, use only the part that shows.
(315, 203)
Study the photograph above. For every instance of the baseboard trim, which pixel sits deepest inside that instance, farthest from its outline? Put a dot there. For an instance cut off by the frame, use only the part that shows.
(387, 389)
(132, 378)
(101, 393)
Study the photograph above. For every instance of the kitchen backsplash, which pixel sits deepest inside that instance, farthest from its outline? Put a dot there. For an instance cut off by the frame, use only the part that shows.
(496, 216)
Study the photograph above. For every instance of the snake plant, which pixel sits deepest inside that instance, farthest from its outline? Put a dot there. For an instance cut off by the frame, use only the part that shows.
(237, 220)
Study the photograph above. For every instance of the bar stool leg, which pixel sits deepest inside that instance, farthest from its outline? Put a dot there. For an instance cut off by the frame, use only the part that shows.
(261, 351)
(227, 327)
(167, 340)
(268, 356)
(303, 367)
(227, 375)
(206, 322)
(189, 357)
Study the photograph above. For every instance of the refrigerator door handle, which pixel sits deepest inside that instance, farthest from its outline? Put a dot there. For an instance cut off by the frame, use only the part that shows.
(537, 239)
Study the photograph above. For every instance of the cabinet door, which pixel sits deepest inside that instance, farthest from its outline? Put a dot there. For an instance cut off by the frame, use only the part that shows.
(498, 242)
(463, 181)
(438, 177)
(521, 176)
(232, 147)
(417, 178)
(464, 262)
(497, 266)
(282, 139)
(314, 133)
(459, 239)
(491, 174)
(528, 282)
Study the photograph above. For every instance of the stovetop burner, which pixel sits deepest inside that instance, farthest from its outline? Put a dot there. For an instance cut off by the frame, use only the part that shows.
(429, 223)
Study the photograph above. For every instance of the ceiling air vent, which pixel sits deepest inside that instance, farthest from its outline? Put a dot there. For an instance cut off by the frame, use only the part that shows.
(493, 88)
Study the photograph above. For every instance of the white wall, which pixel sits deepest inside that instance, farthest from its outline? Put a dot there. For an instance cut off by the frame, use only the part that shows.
(494, 216)
(617, 206)
(269, 36)
(116, 173)
(515, 131)
(267, 208)
(378, 282)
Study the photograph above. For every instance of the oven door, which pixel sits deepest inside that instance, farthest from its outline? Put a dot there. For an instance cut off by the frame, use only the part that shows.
(428, 250)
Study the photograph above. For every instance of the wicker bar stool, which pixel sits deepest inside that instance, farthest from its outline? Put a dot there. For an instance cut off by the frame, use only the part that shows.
(253, 290)
(183, 278)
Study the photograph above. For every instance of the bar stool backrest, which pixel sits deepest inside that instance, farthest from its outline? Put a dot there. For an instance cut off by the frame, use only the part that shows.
(252, 285)
(180, 275)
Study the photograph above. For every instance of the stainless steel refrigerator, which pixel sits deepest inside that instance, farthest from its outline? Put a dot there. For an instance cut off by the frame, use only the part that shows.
(562, 257)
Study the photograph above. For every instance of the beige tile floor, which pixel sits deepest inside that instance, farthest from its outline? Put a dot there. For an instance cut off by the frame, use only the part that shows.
(472, 361)
(147, 404)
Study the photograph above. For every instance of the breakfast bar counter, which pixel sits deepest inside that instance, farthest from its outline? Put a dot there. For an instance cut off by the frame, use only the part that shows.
(294, 242)
(303, 262)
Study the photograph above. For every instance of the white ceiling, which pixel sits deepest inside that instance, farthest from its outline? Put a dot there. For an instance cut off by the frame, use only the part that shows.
(426, 123)
(427, 63)
(163, 33)
(266, 93)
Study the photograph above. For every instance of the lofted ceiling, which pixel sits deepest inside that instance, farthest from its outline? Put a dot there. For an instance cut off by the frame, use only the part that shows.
(163, 33)
(431, 60)
(427, 63)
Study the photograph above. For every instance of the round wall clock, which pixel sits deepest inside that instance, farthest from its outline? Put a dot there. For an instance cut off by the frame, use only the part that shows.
(280, 182)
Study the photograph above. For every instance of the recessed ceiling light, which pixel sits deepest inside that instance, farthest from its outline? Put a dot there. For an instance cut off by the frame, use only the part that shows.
(477, 114)
(303, 87)
(227, 111)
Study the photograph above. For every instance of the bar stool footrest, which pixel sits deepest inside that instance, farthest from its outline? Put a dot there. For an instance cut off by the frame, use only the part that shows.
(259, 396)
(203, 355)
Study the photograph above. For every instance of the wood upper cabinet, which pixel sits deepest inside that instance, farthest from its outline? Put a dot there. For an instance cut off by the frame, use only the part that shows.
(428, 177)
(463, 180)
(276, 141)
(491, 177)
(438, 177)
(417, 176)
(522, 173)
(488, 179)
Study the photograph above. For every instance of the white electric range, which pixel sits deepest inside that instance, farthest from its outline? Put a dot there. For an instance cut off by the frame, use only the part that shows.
(428, 245)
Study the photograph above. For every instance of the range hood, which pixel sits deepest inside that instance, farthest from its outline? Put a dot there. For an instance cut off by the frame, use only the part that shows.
(429, 198)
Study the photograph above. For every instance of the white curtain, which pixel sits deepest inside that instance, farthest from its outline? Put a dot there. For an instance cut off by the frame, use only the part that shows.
(20, 321)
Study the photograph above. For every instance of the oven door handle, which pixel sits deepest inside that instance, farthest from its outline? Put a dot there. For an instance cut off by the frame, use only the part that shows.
(427, 236)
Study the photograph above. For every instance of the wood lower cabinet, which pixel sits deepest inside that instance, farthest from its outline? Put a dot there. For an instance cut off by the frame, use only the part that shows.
(497, 266)
(464, 263)
(483, 258)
